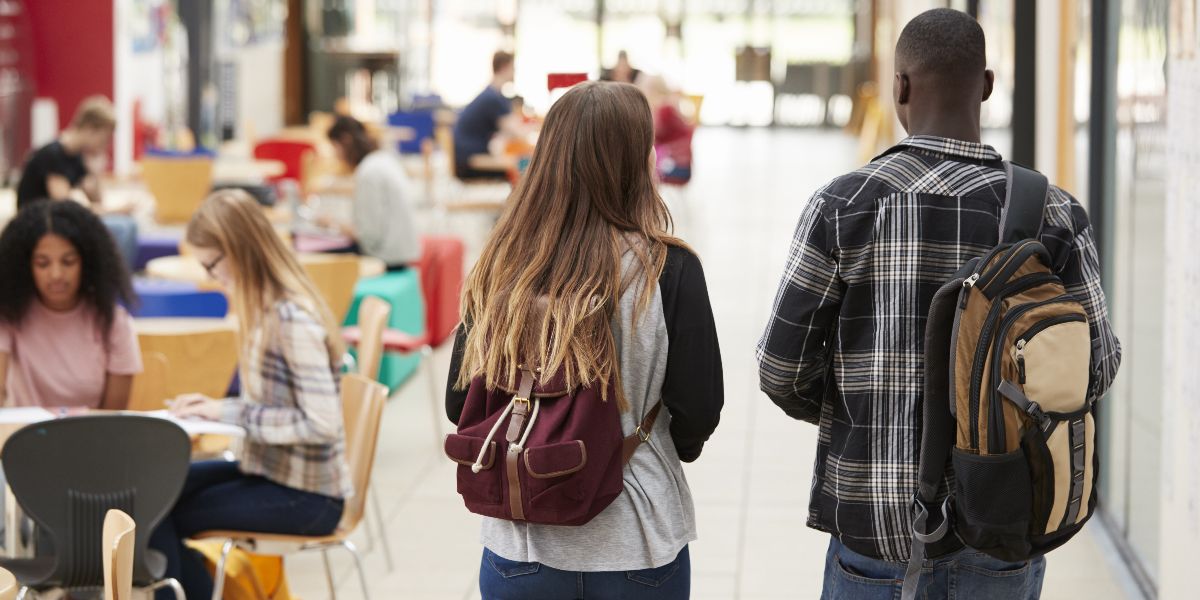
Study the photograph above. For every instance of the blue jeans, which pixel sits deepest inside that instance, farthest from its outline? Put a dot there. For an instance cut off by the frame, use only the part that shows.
(966, 575)
(124, 232)
(503, 579)
(217, 495)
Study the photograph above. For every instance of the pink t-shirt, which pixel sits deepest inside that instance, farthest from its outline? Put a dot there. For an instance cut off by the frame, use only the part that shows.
(59, 358)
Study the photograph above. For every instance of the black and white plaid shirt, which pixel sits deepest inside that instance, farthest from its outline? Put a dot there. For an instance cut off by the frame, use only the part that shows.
(844, 348)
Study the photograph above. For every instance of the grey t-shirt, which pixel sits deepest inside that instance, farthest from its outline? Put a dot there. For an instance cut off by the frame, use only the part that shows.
(383, 213)
(671, 355)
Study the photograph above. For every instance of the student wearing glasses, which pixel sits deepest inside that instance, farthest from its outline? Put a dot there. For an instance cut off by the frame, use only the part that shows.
(292, 475)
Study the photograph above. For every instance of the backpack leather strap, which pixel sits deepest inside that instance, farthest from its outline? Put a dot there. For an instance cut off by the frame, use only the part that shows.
(641, 434)
(521, 406)
(1024, 204)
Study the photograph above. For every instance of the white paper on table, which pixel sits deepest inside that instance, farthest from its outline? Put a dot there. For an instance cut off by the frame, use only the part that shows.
(199, 426)
(24, 415)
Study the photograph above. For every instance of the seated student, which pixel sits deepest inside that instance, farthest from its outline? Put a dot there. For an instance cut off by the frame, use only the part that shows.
(292, 475)
(64, 339)
(73, 163)
(383, 224)
(585, 247)
(489, 114)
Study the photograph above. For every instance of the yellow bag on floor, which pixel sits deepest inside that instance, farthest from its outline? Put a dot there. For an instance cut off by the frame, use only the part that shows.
(247, 576)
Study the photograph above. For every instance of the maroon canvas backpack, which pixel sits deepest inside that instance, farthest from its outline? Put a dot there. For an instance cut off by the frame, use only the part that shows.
(542, 454)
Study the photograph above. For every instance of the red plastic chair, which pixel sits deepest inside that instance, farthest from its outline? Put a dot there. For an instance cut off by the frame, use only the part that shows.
(441, 271)
(290, 152)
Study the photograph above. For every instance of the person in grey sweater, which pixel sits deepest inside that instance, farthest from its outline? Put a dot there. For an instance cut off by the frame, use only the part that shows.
(383, 224)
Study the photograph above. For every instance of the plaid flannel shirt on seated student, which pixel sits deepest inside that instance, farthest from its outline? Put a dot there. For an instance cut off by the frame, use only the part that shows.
(290, 407)
(845, 346)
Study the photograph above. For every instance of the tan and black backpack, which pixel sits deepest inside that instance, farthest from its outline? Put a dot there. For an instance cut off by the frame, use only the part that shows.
(1007, 399)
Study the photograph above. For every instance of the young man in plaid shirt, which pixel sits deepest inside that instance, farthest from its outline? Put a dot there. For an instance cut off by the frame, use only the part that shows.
(844, 348)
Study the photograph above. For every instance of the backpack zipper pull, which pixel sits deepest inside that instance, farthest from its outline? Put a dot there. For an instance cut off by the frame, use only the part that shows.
(967, 283)
(1021, 361)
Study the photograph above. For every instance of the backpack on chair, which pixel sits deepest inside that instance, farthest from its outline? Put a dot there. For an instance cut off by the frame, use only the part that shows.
(1007, 400)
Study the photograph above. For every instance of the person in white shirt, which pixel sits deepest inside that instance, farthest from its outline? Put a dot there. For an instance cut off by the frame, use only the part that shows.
(383, 220)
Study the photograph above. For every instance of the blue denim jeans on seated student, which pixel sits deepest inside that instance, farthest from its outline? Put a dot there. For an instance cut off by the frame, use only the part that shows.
(217, 495)
(124, 231)
(963, 575)
(503, 579)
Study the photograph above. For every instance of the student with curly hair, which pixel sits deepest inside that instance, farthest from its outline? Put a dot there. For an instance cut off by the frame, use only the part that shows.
(65, 339)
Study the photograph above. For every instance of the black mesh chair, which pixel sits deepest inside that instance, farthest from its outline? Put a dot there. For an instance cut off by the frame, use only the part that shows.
(67, 473)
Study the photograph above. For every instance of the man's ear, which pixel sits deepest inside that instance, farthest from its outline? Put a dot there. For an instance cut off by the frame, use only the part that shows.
(901, 88)
(989, 81)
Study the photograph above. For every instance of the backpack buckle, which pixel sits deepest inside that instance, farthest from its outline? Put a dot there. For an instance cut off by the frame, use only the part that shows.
(642, 435)
(921, 518)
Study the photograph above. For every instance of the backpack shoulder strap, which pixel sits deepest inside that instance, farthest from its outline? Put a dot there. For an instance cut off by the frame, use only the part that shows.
(938, 429)
(1024, 204)
(640, 435)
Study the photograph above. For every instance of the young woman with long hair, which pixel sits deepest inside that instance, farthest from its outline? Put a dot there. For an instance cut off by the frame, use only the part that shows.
(292, 476)
(582, 276)
(65, 339)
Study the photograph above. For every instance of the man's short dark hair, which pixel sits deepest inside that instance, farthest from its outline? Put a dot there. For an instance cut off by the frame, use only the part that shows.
(943, 42)
(500, 60)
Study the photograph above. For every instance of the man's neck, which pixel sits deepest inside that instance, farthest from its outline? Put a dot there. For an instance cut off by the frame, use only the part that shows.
(69, 141)
(955, 127)
(498, 83)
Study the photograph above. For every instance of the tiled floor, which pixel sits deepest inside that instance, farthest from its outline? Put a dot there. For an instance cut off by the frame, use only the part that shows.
(751, 484)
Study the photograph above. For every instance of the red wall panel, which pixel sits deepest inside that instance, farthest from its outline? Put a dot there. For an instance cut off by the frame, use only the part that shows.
(73, 51)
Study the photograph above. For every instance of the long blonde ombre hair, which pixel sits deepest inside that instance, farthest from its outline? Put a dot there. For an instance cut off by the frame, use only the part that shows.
(265, 271)
(549, 280)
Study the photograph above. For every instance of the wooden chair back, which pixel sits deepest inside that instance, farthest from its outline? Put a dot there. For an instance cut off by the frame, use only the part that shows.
(335, 276)
(149, 390)
(8, 585)
(373, 313)
(178, 184)
(119, 532)
(362, 410)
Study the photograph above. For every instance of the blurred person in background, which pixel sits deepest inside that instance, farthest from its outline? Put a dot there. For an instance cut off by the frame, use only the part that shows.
(672, 133)
(622, 71)
(70, 168)
(488, 115)
(383, 222)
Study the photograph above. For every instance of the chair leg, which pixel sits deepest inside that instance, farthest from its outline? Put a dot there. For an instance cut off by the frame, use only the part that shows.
(219, 580)
(172, 583)
(329, 574)
(362, 575)
(368, 527)
(21, 595)
(382, 526)
(434, 398)
(177, 588)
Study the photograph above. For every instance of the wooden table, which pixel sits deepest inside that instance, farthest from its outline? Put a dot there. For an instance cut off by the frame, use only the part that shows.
(246, 170)
(328, 272)
(188, 268)
(201, 354)
(492, 162)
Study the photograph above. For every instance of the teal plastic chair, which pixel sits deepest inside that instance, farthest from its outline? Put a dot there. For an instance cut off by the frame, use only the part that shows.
(402, 290)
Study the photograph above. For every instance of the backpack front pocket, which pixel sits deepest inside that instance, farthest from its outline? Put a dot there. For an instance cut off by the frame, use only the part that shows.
(993, 502)
(547, 477)
(484, 486)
